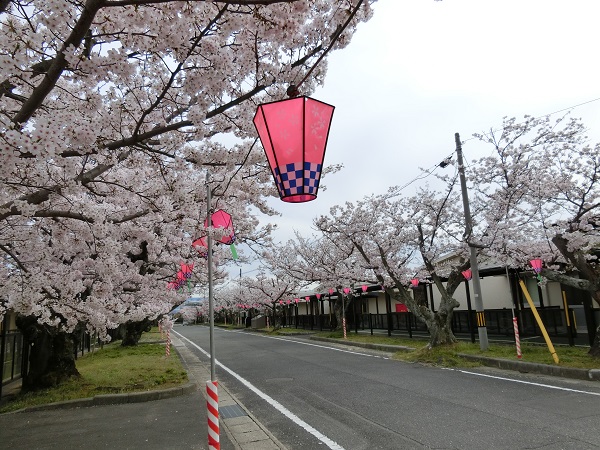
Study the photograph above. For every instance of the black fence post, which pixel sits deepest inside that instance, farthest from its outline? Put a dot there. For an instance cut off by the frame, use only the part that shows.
(388, 307)
(2, 349)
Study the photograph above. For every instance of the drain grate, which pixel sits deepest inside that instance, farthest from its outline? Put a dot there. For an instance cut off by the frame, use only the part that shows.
(231, 411)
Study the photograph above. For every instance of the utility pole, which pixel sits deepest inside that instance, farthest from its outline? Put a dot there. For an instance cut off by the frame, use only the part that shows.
(211, 306)
(481, 327)
(212, 390)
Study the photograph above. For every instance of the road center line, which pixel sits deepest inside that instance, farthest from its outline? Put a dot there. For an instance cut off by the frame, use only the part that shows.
(271, 401)
(549, 386)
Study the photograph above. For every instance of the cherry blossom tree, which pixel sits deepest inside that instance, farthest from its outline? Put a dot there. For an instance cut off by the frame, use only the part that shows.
(539, 194)
(319, 263)
(398, 239)
(111, 113)
(267, 290)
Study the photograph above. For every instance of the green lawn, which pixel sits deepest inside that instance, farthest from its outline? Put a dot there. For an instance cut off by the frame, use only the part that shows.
(113, 369)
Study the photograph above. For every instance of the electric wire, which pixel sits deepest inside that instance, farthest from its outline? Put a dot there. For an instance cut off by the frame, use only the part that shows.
(430, 171)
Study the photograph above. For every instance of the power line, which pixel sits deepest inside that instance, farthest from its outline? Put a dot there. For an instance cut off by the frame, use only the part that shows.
(445, 162)
(569, 108)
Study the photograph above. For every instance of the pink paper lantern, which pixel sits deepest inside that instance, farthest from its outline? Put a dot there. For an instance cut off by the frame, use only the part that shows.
(294, 135)
(187, 269)
(201, 245)
(414, 282)
(468, 274)
(331, 291)
(346, 291)
(318, 296)
(536, 264)
(364, 287)
(221, 219)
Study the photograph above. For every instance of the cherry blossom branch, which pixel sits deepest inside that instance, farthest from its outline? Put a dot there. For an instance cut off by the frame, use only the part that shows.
(178, 69)
(14, 257)
(113, 3)
(59, 63)
(4, 5)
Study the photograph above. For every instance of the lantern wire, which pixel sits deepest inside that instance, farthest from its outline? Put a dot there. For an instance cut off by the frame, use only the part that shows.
(242, 164)
(293, 89)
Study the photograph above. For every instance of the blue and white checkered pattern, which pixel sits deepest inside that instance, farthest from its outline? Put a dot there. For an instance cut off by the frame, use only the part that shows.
(293, 180)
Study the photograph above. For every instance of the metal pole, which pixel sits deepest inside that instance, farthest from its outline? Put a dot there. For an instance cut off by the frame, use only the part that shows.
(211, 306)
(481, 326)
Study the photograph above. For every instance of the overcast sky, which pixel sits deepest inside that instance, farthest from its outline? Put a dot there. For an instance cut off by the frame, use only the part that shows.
(421, 70)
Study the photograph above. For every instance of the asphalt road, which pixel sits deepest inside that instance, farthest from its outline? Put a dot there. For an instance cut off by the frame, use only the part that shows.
(174, 423)
(311, 395)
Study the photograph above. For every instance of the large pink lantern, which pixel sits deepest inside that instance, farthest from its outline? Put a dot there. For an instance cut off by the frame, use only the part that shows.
(468, 274)
(294, 135)
(414, 283)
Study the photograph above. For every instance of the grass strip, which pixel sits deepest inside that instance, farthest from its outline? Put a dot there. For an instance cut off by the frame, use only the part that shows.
(447, 355)
(112, 370)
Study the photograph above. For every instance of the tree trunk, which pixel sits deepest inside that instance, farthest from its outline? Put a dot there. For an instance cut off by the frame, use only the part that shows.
(439, 323)
(440, 330)
(595, 348)
(337, 309)
(133, 332)
(51, 358)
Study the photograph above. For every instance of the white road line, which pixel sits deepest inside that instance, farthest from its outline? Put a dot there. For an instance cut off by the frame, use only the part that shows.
(278, 406)
(549, 386)
(315, 345)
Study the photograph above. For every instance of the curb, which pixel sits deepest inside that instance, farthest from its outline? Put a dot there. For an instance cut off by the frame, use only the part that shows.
(505, 364)
(114, 399)
(382, 347)
(528, 367)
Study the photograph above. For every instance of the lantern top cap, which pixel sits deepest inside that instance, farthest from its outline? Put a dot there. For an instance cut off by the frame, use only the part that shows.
(292, 91)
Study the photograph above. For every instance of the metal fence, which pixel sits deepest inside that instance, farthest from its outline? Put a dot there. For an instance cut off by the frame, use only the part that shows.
(11, 355)
(499, 322)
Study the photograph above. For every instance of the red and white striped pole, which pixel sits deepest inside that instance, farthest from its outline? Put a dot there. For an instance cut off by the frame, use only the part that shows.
(212, 408)
(517, 339)
(168, 347)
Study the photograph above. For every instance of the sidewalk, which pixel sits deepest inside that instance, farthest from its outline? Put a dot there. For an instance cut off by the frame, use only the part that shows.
(241, 427)
(137, 420)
